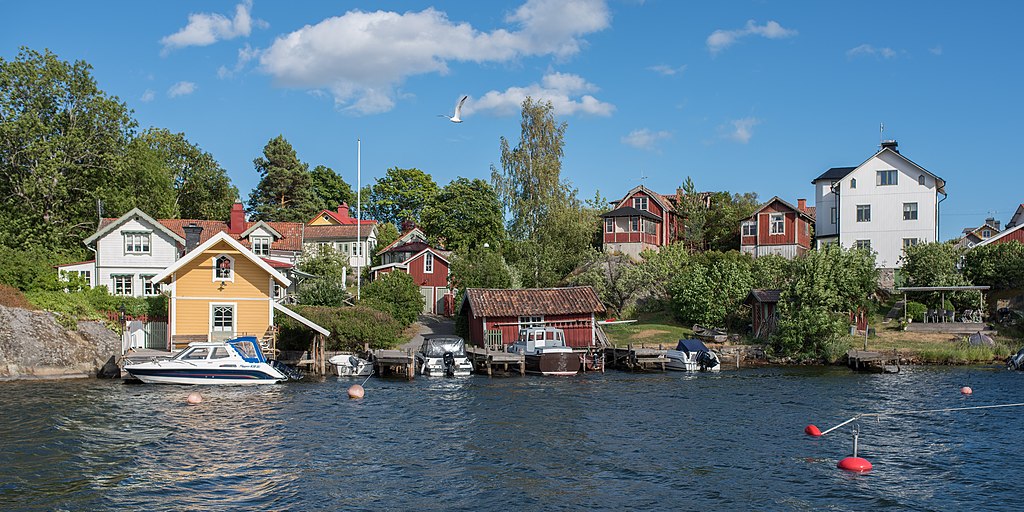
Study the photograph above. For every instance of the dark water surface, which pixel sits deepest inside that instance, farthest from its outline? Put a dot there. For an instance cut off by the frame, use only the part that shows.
(610, 441)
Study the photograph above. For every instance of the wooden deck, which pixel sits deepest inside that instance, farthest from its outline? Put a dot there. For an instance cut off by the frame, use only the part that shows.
(873, 362)
(949, 327)
(393, 362)
(635, 359)
(486, 361)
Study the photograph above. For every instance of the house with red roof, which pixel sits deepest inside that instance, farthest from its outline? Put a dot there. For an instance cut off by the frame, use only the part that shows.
(352, 237)
(777, 227)
(493, 311)
(412, 253)
(641, 220)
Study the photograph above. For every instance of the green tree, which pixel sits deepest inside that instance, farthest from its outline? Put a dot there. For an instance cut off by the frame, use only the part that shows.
(616, 279)
(1000, 266)
(327, 288)
(722, 224)
(466, 213)
(479, 267)
(395, 293)
(693, 211)
(187, 181)
(550, 231)
(284, 193)
(386, 234)
(710, 290)
(62, 141)
(827, 284)
(936, 264)
(400, 195)
(329, 189)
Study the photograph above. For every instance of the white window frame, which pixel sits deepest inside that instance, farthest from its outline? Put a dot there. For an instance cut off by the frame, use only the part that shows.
(866, 208)
(231, 272)
(910, 213)
(213, 318)
(527, 322)
(640, 203)
(891, 173)
(986, 233)
(428, 263)
(777, 223)
(634, 224)
(261, 245)
(908, 242)
(127, 281)
(749, 228)
(137, 242)
(862, 244)
(149, 288)
(609, 225)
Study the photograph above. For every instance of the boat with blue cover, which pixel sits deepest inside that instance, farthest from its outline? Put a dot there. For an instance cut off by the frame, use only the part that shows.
(234, 361)
(692, 356)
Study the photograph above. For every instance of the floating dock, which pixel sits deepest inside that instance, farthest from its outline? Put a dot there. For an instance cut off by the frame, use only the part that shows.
(872, 362)
(393, 362)
(635, 359)
(486, 361)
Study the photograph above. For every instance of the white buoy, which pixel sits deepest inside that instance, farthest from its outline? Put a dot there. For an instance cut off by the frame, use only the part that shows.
(194, 398)
(966, 390)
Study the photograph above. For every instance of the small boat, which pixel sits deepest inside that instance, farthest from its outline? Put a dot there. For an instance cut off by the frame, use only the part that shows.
(348, 365)
(692, 356)
(443, 354)
(234, 361)
(545, 351)
(1016, 361)
(713, 334)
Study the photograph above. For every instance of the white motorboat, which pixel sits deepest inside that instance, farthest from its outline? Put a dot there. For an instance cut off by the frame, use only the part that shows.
(692, 356)
(545, 351)
(443, 354)
(234, 361)
(348, 365)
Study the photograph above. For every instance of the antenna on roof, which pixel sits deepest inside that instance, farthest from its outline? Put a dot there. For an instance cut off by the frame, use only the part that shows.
(643, 177)
(881, 128)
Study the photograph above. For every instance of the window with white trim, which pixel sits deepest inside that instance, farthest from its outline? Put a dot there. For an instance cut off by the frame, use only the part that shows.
(634, 224)
(223, 268)
(863, 213)
(261, 245)
(909, 211)
(526, 322)
(428, 263)
(121, 284)
(136, 242)
(640, 203)
(609, 225)
(777, 224)
(149, 288)
(885, 178)
(986, 233)
(909, 242)
(863, 244)
(223, 318)
(749, 228)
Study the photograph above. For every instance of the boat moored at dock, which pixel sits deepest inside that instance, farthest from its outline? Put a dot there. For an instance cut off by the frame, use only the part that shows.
(443, 354)
(545, 351)
(692, 356)
(234, 361)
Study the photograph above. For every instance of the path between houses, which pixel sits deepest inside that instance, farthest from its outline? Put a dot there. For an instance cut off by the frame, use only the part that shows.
(428, 324)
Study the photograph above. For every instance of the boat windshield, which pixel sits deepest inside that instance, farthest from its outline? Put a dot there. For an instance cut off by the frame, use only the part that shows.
(193, 354)
(247, 350)
(437, 347)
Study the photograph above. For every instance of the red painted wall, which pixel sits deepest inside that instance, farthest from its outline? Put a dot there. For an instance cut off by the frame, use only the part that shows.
(1016, 235)
(578, 328)
(664, 232)
(439, 277)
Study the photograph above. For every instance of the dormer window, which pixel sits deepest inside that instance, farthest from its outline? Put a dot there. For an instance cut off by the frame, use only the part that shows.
(223, 268)
(260, 245)
(640, 203)
(986, 233)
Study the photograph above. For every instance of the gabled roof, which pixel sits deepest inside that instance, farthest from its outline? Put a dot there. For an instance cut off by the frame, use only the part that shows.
(665, 201)
(337, 232)
(112, 224)
(1017, 218)
(344, 221)
(763, 296)
(835, 173)
(261, 224)
(405, 237)
(784, 203)
(993, 238)
(290, 232)
(491, 302)
(629, 211)
(838, 173)
(221, 237)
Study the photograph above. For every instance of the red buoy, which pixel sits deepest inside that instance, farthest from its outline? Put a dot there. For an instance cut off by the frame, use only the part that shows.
(856, 464)
(813, 431)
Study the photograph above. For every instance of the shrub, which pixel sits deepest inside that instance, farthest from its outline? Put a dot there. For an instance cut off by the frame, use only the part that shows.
(916, 310)
(350, 327)
(397, 294)
(28, 270)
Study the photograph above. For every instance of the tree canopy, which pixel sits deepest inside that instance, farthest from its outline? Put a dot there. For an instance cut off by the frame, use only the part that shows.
(466, 213)
(329, 189)
(400, 195)
(284, 193)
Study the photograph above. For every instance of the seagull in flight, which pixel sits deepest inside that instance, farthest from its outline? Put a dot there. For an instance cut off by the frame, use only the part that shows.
(457, 118)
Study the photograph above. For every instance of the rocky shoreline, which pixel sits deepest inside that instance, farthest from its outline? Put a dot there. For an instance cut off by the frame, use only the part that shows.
(34, 345)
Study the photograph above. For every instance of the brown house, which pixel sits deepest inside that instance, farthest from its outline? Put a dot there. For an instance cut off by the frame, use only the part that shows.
(763, 311)
(779, 228)
(571, 309)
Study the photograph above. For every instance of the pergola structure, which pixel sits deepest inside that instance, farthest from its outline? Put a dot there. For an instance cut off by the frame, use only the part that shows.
(942, 290)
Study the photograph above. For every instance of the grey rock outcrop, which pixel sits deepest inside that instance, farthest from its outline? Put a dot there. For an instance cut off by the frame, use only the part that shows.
(33, 345)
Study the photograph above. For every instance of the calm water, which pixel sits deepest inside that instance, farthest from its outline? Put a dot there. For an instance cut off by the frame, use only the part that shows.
(596, 442)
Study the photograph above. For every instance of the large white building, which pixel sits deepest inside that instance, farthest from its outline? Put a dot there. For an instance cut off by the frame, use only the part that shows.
(884, 204)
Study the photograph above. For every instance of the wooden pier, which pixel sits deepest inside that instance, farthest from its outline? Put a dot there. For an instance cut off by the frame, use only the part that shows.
(486, 360)
(872, 362)
(393, 362)
(635, 359)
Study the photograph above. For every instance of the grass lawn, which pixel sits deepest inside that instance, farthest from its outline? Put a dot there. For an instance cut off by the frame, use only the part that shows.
(650, 330)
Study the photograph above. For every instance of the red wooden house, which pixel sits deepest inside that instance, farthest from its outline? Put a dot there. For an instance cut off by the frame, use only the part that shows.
(507, 311)
(779, 228)
(1015, 233)
(642, 220)
(428, 266)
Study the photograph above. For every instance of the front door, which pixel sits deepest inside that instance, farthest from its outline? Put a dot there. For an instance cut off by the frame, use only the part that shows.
(222, 322)
(428, 298)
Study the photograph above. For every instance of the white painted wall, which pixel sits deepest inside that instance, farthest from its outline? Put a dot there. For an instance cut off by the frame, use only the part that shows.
(824, 201)
(111, 258)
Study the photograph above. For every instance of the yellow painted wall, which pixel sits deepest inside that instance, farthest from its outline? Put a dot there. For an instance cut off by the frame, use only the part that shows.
(195, 289)
(321, 221)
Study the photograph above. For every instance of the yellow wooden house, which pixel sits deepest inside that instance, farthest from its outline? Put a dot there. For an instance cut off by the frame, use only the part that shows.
(222, 290)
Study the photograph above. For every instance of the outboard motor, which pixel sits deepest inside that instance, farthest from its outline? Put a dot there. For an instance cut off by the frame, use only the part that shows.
(287, 371)
(449, 363)
(705, 361)
(1016, 361)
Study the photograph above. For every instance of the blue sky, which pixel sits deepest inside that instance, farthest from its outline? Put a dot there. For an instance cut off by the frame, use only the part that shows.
(758, 96)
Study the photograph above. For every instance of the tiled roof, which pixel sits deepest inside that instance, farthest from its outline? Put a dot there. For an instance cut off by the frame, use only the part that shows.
(336, 232)
(629, 211)
(533, 301)
(835, 173)
(277, 264)
(414, 247)
(764, 295)
(811, 211)
(291, 231)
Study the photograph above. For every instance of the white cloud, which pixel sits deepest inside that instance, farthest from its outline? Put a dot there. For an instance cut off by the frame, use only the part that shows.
(558, 88)
(361, 57)
(645, 139)
(667, 70)
(722, 39)
(936, 50)
(871, 51)
(742, 129)
(148, 96)
(245, 54)
(182, 89)
(205, 29)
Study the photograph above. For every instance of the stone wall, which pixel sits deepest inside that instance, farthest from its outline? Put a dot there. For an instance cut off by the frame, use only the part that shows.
(34, 346)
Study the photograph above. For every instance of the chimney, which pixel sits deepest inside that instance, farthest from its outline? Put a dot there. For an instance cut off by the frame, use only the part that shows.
(343, 211)
(236, 223)
(801, 204)
(890, 144)
(991, 221)
(192, 236)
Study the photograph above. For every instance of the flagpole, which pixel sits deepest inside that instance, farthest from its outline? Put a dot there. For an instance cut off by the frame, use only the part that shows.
(359, 217)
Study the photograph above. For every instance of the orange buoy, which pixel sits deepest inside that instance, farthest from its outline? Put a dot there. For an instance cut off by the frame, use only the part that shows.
(356, 391)
(194, 398)
(856, 464)
(966, 390)
(812, 430)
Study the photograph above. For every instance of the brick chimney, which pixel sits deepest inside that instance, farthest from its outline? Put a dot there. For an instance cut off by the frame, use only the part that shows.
(193, 233)
(891, 144)
(343, 211)
(801, 204)
(236, 223)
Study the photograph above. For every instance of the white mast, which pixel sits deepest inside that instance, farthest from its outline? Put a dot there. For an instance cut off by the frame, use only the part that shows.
(359, 218)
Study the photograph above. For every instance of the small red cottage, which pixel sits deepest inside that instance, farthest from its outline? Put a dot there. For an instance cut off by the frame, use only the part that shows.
(428, 266)
(764, 311)
(779, 228)
(507, 311)
(644, 219)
